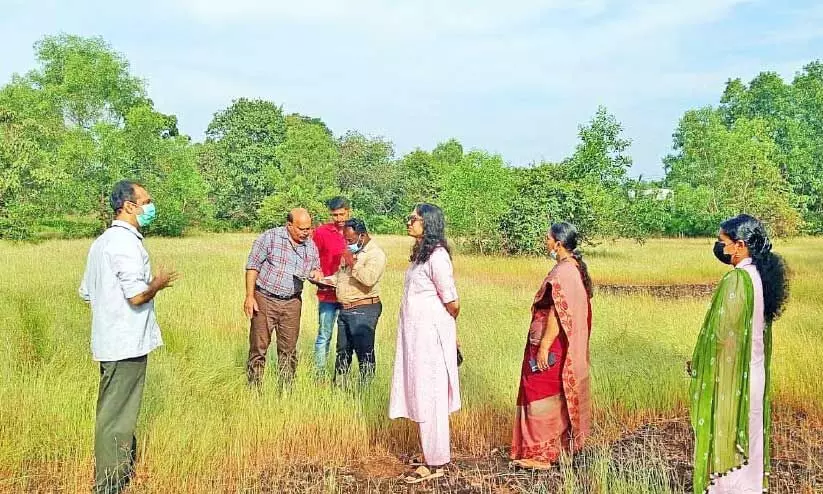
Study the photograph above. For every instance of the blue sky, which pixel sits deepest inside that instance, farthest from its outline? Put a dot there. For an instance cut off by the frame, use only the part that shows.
(514, 78)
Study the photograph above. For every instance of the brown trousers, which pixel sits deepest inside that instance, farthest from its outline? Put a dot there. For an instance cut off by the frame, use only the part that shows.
(283, 318)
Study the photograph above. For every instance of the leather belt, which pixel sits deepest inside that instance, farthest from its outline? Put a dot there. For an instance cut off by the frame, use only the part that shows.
(275, 296)
(361, 302)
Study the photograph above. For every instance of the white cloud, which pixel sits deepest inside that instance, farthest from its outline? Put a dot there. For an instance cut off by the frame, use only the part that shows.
(515, 77)
(418, 69)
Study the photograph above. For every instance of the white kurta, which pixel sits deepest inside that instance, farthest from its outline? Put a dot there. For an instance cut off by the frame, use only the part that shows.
(749, 478)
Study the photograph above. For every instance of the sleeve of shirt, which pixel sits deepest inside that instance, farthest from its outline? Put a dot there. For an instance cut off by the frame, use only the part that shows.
(84, 288)
(257, 256)
(127, 264)
(369, 270)
(314, 257)
(442, 276)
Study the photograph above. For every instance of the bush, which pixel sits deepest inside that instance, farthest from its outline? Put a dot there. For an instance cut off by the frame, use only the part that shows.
(541, 199)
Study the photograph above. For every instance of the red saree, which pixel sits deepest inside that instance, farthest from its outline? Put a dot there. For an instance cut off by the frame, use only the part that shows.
(554, 406)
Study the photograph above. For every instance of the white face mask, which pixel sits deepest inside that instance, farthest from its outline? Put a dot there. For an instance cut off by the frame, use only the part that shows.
(553, 255)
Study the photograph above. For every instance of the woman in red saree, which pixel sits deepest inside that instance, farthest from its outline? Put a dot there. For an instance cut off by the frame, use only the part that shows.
(554, 403)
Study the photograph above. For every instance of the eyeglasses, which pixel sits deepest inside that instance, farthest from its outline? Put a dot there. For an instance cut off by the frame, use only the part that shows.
(410, 219)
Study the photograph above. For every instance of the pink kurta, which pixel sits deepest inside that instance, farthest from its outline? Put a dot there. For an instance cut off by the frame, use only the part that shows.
(749, 478)
(426, 352)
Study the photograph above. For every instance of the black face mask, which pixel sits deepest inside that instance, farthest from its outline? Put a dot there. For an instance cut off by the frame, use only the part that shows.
(718, 253)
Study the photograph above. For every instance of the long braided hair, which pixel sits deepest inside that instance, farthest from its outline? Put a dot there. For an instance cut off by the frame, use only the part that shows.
(771, 266)
(568, 236)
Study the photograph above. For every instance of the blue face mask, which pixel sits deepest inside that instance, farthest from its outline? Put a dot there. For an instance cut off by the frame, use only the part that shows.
(355, 247)
(148, 215)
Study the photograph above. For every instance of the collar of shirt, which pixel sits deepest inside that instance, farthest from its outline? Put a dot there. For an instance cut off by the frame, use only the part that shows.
(302, 250)
(331, 227)
(283, 234)
(367, 247)
(129, 227)
(745, 262)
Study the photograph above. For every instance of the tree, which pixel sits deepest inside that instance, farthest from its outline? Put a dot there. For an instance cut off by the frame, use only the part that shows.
(370, 177)
(77, 124)
(421, 177)
(542, 196)
(167, 165)
(28, 173)
(307, 172)
(735, 166)
(648, 210)
(448, 153)
(476, 193)
(793, 114)
(804, 144)
(88, 79)
(239, 158)
(601, 154)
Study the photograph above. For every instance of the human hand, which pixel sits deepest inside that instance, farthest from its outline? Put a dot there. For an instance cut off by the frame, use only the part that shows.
(250, 306)
(348, 259)
(164, 279)
(542, 358)
(316, 275)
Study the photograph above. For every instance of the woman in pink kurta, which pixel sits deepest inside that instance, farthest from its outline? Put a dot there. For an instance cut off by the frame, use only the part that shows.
(425, 387)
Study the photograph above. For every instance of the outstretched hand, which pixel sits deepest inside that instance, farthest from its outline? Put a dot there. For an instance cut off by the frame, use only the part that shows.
(165, 278)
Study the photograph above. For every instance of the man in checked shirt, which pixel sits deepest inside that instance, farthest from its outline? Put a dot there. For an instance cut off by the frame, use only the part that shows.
(280, 260)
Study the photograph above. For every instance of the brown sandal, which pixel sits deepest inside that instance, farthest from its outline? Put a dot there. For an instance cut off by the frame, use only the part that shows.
(532, 464)
(422, 474)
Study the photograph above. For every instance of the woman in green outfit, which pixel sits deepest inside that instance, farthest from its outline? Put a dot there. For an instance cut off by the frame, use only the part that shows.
(729, 390)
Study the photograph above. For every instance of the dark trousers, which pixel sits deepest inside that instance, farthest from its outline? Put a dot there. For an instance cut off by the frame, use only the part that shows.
(283, 318)
(355, 334)
(118, 404)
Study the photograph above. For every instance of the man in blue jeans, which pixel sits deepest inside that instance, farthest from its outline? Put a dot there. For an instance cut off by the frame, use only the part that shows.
(330, 245)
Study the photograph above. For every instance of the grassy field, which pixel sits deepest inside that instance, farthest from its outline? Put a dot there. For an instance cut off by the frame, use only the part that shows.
(202, 430)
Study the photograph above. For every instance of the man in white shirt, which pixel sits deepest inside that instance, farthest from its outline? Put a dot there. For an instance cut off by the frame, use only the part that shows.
(120, 289)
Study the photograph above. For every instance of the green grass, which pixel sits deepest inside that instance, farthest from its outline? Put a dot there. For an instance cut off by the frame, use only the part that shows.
(202, 430)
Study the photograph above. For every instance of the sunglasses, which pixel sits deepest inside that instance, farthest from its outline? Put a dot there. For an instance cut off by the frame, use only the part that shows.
(410, 219)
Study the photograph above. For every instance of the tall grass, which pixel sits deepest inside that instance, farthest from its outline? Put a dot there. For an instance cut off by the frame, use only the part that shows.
(201, 429)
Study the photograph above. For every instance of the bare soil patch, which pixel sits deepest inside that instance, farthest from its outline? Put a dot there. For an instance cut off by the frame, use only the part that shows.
(662, 291)
(797, 464)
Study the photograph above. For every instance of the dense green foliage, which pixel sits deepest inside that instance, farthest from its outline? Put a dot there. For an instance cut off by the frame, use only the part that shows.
(80, 121)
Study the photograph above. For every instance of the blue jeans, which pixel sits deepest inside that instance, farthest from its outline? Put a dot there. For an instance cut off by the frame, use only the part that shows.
(326, 315)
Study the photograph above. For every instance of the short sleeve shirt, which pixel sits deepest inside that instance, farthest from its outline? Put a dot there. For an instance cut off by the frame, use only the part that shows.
(282, 265)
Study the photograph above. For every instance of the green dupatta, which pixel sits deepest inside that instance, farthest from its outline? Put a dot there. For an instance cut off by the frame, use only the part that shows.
(719, 390)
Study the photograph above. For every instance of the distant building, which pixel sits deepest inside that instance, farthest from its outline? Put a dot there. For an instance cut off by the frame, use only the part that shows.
(658, 194)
